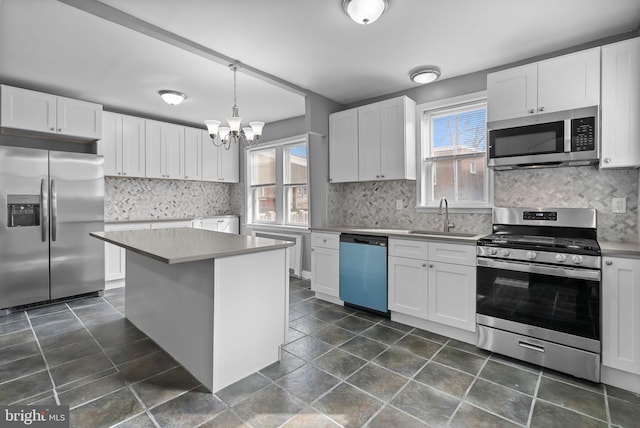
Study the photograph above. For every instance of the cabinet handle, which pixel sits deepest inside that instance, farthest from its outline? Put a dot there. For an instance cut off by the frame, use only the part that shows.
(541, 109)
(377, 176)
(607, 160)
(532, 110)
(59, 129)
(330, 180)
(119, 173)
(424, 265)
(608, 262)
(53, 129)
(382, 176)
(124, 173)
(431, 265)
(313, 249)
(324, 240)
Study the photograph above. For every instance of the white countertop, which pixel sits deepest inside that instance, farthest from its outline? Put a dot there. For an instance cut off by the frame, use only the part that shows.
(180, 245)
(469, 238)
(623, 249)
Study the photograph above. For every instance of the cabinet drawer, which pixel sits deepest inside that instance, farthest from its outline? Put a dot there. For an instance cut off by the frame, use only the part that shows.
(325, 240)
(409, 248)
(452, 253)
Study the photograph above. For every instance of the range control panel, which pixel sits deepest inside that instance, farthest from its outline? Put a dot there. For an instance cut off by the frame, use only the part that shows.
(583, 133)
(540, 215)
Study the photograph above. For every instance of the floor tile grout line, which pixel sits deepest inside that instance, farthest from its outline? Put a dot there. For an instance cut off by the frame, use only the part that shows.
(571, 410)
(144, 407)
(466, 392)
(606, 405)
(536, 390)
(46, 363)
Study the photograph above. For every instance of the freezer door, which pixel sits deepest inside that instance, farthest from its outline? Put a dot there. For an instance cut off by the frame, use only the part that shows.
(77, 208)
(24, 239)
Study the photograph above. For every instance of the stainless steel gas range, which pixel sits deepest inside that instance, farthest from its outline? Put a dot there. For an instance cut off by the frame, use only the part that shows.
(538, 288)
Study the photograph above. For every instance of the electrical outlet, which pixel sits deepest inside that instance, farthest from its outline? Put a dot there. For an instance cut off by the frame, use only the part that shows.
(619, 205)
(398, 204)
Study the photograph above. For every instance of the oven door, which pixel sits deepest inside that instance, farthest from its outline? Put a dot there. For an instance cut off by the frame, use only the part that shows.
(561, 301)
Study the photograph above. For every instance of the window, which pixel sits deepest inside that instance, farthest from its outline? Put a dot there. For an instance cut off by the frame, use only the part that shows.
(453, 153)
(278, 184)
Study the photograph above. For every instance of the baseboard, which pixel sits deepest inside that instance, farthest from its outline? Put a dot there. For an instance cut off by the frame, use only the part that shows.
(116, 283)
(620, 379)
(306, 274)
(330, 299)
(434, 327)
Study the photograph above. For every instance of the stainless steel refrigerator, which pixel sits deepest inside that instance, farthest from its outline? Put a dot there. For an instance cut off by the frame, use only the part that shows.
(51, 200)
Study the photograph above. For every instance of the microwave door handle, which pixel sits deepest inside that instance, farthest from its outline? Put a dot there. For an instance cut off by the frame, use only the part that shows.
(568, 272)
(44, 209)
(567, 135)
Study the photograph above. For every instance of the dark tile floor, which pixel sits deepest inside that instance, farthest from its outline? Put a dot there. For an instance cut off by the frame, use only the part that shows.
(340, 368)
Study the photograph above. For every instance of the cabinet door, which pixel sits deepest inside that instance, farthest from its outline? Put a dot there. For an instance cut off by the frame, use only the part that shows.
(569, 81)
(452, 295)
(392, 140)
(192, 154)
(171, 224)
(229, 164)
(512, 93)
(369, 142)
(173, 154)
(620, 104)
(343, 146)
(133, 146)
(325, 276)
(229, 225)
(407, 286)
(25, 109)
(621, 314)
(210, 161)
(79, 118)
(155, 139)
(111, 143)
(114, 256)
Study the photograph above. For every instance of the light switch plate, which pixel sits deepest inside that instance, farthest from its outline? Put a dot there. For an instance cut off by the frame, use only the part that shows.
(618, 205)
(398, 204)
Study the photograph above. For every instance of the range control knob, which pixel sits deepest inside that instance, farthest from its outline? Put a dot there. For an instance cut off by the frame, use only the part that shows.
(531, 255)
(561, 258)
(576, 259)
(493, 251)
(504, 252)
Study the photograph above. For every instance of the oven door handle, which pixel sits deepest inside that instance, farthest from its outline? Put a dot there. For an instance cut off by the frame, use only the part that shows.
(540, 269)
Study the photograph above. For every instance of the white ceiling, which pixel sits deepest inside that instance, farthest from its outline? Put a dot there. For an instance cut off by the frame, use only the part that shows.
(49, 45)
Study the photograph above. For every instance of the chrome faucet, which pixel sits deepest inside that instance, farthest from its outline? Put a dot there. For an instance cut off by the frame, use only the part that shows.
(445, 211)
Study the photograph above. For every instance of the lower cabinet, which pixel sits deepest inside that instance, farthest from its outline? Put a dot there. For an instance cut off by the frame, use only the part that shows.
(621, 314)
(114, 256)
(325, 262)
(422, 283)
(229, 224)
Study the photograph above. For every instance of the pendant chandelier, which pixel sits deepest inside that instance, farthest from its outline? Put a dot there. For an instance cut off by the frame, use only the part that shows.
(224, 136)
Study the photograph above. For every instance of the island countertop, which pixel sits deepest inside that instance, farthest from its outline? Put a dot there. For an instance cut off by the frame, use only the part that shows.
(180, 245)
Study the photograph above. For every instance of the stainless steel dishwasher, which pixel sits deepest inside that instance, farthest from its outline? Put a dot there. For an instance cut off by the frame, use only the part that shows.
(363, 272)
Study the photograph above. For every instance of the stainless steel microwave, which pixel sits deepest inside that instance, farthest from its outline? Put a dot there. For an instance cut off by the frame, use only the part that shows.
(558, 139)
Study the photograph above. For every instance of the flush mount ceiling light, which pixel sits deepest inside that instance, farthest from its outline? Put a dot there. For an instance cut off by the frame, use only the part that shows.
(223, 136)
(172, 97)
(425, 75)
(364, 11)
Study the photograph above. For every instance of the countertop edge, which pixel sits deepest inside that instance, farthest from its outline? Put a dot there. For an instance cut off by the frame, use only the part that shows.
(622, 249)
(400, 233)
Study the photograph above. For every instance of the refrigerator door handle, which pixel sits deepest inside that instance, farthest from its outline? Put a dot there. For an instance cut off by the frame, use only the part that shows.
(44, 210)
(54, 211)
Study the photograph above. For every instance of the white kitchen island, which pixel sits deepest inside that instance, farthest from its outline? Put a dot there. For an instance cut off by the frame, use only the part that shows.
(216, 302)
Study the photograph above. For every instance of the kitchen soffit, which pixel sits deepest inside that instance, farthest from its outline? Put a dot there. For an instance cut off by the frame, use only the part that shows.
(310, 44)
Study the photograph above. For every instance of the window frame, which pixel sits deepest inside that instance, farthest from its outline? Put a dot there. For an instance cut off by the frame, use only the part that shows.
(425, 161)
(281, 188)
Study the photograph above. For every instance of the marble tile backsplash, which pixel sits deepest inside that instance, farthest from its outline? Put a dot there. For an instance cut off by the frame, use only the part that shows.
(133, 199)
(372, 204)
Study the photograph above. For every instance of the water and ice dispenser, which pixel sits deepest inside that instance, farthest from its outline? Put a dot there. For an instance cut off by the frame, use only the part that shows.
(23, 210)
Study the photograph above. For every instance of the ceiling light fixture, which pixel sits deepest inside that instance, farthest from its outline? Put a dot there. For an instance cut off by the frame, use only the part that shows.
(172, 97)
(223, 136)
(425, 75)
(364, 11)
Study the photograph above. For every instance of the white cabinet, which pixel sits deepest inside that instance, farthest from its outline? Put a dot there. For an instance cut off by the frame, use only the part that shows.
(373, 142)
(171, 224)
(435, 281)
(620, 136)
(219, 164)
(164, 150)
(343, 146)
(36, 111)
(621, 314)
(563, 83)
(115, 256)
(325, 262)
(192, 153)
(123, 145)
(227, 224)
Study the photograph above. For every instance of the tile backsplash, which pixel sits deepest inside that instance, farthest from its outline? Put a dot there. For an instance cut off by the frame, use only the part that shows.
(372, 204)
(140, 199)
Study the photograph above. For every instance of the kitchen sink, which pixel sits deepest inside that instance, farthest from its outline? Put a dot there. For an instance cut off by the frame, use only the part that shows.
(442, 233)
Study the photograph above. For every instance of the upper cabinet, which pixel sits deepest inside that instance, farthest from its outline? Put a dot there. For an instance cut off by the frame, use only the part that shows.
(620, 109)
(380, 137)
(563, 83)
(192, 154)
(28, 110)
(164, 150)
(123, 145)
(219, 164)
